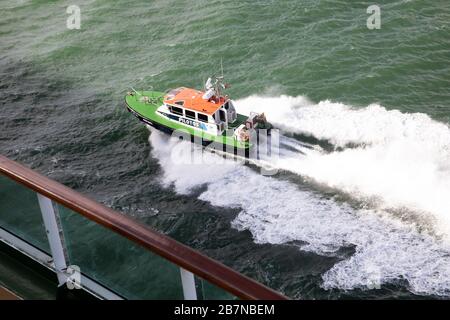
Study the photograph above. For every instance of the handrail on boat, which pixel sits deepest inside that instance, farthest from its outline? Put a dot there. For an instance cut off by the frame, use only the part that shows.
(164, 246)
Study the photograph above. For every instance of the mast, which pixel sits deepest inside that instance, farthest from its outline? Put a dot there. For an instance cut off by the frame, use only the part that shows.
(220, 79)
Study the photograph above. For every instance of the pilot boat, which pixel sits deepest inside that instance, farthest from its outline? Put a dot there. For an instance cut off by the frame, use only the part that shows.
(208, 116)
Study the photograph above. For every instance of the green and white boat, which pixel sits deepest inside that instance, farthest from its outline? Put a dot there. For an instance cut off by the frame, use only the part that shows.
(208, 116)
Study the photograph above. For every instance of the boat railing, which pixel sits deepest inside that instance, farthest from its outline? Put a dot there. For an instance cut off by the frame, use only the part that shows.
(104, 252)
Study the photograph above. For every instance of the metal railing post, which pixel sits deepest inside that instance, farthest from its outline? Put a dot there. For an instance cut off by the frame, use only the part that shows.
(49, 215)
(188, 282)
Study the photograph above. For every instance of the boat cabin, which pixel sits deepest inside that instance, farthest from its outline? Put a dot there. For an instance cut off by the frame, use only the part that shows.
(208, 111)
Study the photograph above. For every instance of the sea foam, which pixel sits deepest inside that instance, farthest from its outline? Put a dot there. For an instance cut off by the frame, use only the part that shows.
(399, 158)
(403, 160)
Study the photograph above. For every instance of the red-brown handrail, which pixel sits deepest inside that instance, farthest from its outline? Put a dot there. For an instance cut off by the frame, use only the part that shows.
(166, 247)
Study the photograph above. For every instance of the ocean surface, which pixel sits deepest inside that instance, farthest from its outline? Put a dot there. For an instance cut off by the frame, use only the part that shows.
(360, 207)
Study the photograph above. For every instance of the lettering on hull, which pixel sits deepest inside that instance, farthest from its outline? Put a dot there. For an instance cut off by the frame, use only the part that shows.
(190, 122)
(185, 121)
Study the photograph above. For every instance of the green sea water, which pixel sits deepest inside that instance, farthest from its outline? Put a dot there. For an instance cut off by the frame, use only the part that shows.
(372, 203)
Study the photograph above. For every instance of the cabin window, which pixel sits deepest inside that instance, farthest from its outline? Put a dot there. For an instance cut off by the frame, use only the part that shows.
(190, 114)
(202, 117)
(226, 106)
(176, 110)
(222, 115)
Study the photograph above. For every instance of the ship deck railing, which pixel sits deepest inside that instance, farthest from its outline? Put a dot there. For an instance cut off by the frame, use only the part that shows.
(106, 254)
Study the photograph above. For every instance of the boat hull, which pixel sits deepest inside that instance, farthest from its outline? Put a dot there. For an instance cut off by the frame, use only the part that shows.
(212, 145)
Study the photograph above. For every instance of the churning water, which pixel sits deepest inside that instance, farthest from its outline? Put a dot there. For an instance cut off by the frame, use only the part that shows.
(360, 206)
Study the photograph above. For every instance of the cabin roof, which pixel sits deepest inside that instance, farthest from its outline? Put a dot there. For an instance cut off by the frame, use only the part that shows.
(191, 99)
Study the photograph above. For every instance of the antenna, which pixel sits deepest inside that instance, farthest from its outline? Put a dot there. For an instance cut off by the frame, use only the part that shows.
(218, 82)
(135, 91)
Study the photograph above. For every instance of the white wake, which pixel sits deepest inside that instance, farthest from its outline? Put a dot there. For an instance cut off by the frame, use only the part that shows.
(401, 161)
